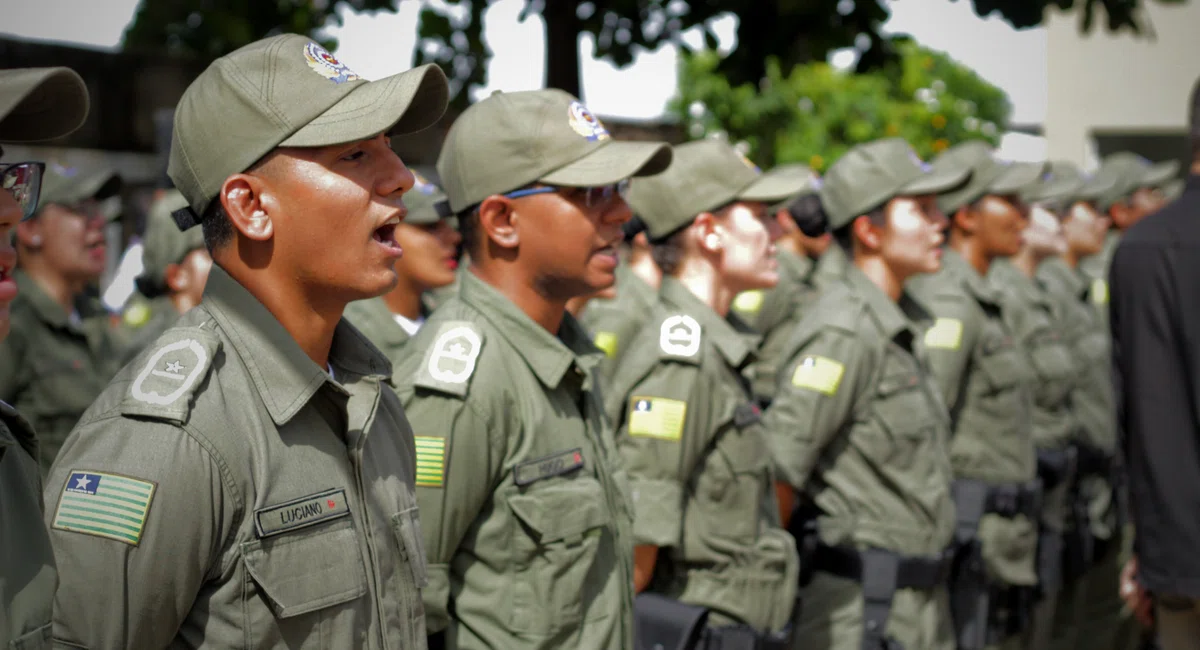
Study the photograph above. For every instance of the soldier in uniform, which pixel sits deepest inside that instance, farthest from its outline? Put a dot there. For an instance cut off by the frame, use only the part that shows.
(706, 521)
(430, 244)
(35, 104)
(247, 481)
(176, 266)
(524, 504)
(858, 430)
(984, 376)
(1035, 320)
(58, 359)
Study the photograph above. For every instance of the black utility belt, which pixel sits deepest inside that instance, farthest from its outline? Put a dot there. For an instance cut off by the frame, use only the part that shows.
(741, 637)
(912, 571)
(1008, 500)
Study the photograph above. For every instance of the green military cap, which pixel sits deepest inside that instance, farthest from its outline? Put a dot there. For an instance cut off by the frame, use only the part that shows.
(869, 175)
(1064, 182)
(286, 91)
(164, 243)
(988, 175)
(511, 140)
(70, 186)
(40, 103)
(1128, 172)
(703, 176)
(812, 182)
(426, 203)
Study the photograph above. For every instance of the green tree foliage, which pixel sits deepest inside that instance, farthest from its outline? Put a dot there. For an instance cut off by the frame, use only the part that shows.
(815, 112)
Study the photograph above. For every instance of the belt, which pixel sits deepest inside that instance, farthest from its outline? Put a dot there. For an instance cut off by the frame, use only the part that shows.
(1012, 499)
(742, 637)
(913, 571)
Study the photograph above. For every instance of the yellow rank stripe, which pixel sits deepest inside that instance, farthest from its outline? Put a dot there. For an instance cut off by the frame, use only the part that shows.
(656, 417)
(945, 334)
(431, 461)
(820, 374)
(1099, 292)
(606, 341)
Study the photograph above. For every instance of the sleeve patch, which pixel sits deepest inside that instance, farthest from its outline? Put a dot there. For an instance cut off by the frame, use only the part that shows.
(450, 361)
(946, 334)
(679, 336)
(431, 461)
(820, 374)
(607, 342)
(657, 417)
(1099, 292)
(104, 505)
(749, 302)
(163, 387)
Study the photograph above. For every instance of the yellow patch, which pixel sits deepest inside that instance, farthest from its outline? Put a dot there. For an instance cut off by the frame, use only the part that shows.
(656, 417)
(749, 302)
(1099, 292)
(431, 461)
(820, 374)
(606, 341)
(137, 315)
(945, 334)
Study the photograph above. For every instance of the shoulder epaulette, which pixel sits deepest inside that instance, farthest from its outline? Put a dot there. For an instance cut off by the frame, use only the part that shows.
(450, 362)
(180, 360)
(679, 337)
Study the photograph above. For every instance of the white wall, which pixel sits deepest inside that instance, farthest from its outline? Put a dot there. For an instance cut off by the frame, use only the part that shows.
(1135, 84)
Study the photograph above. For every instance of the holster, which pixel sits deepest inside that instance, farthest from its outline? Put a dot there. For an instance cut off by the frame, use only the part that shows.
(1056, 465)
(970, 596)
(662, 623)
(1050, 561)
(742, 637)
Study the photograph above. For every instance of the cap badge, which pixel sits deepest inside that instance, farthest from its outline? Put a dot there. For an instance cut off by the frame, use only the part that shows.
(749, 163)
(422, 184)
(584, 123)
(324, 64)
(925, 167)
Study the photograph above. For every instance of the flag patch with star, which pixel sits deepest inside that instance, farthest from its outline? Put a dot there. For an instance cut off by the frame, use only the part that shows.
(820, 374)
(104, 505)
(431, 461)
(657, 417)
(945, 334)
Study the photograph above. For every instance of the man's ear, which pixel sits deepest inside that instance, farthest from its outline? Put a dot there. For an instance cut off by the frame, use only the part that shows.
(704, 233)
(869, 235)
(250, 205)
(965, 219)
(176, 277)
(29, 233)
(499, 221)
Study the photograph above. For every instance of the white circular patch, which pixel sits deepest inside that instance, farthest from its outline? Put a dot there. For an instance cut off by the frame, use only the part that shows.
(324, 64)
(584, 123)
(680, 336)
(454, 355)
(176, 372)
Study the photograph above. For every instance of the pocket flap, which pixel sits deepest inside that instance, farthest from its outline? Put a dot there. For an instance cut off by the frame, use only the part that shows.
(1003, 365)
(301, 573)
(562, 511)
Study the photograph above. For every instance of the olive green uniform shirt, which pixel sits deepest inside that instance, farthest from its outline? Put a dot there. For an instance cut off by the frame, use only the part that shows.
(614, 323)
(691, 438)
(524, 504)
(858, 426)
(52, 366)
(27, 572)
(224, 491)
(374, 319)
(142, 321)
(1095, 269)
(985, 378)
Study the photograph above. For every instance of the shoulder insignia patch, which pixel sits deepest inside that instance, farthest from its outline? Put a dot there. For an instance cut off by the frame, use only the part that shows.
(606, 342)
(104, 505)
(431, 461)
(821, 374)
(945, 334)
(450, 361)
(180, 360)
(679, 336)
(749, 302)
(656, 417)
(1099, 292)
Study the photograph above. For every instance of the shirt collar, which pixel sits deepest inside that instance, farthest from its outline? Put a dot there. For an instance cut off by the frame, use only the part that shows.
(888, 314)
(733, 344)
(286, 378)
(627, 280)
(47, 310)
(957, 267)
(549, 356)
(1073, 280)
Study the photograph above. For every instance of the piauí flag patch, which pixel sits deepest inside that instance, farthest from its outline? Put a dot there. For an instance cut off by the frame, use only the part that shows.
(104, 505)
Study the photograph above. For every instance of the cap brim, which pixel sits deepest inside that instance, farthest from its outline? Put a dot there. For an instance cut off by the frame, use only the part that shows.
(41, 104)
(612, 163)
(1058, 189)
(936, 181)
(1160, 174)
(403, 103)
(1018, 178)
(776, 185)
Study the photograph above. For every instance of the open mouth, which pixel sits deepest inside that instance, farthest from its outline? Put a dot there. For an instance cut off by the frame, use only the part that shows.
(385, 235)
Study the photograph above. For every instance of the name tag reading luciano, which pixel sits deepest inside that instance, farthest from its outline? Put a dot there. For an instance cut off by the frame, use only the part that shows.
(536, 470)
(301, 513)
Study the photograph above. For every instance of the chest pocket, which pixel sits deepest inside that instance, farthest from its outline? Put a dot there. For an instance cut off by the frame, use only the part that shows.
(905, 415)
(1054, 368)
(732, 478)
(1001, 364)
(306, 589)
(563, 554)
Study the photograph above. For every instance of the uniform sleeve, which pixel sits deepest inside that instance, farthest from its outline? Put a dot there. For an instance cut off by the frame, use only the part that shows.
(949, 343)
(665, 426)
(818, 389)
(457, 468)
(139, 519)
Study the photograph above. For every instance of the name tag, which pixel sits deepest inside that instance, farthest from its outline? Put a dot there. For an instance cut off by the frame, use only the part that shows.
(556, 465)
(301, 513)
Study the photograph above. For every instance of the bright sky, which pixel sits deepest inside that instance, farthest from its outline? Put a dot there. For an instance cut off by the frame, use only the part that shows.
(381, 44)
